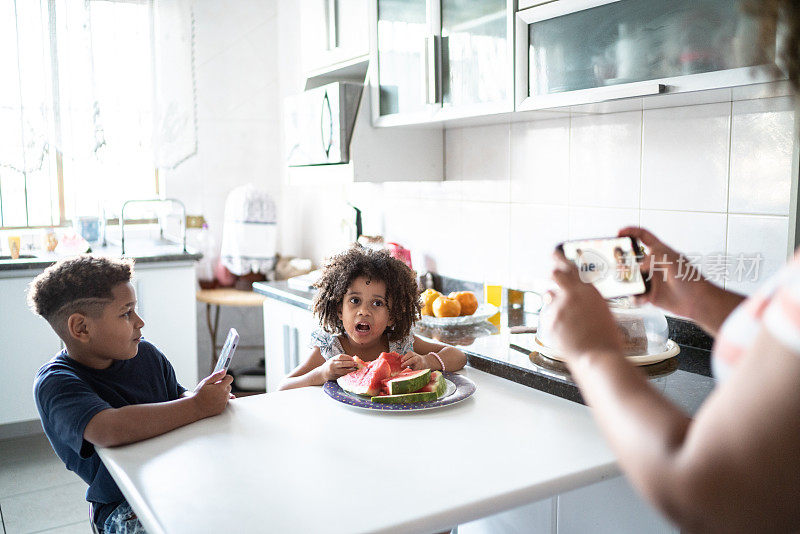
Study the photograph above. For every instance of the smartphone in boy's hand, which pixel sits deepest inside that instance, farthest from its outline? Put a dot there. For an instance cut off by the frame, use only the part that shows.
(226, 354)
(609, 263)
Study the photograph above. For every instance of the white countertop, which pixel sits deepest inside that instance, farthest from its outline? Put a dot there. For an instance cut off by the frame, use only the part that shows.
(299, 461)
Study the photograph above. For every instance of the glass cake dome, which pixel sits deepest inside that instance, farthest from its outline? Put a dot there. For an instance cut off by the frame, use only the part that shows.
(644, 328)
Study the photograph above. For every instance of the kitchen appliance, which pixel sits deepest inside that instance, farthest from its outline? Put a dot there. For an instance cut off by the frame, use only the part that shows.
(319, 123)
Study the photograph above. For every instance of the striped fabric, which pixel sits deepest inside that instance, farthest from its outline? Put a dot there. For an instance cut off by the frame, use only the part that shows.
(775, 306)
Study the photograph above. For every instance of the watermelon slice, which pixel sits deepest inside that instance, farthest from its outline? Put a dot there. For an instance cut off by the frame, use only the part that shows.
(408, 381)
(366, 380)
(406, 398)
(394, 361)
(437, 384)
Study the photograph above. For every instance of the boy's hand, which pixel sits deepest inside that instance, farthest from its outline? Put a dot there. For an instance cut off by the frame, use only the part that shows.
(212, 393)
(418, 361)
(338, 366)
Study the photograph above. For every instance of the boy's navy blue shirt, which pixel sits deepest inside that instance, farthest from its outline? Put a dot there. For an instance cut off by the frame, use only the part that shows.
(68, 394)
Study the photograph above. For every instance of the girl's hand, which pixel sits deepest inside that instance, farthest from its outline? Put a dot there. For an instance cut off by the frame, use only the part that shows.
(582, 321)
(337, 366)
(418, 361)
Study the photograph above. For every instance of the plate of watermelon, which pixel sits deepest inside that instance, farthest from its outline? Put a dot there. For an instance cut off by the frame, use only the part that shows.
(383, 384)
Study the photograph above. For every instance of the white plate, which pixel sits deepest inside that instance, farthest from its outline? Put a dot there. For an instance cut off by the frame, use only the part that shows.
(483, 312)
(646, 359)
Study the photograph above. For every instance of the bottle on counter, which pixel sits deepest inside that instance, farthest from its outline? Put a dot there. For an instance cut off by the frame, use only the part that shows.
(205, 266)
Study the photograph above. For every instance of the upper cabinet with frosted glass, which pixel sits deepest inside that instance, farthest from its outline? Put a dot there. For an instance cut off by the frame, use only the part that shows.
(435, 60)
(573, 52)
(335, 33)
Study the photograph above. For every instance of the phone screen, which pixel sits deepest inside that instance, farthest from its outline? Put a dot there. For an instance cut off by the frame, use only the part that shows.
(608, 263)
(226, 354)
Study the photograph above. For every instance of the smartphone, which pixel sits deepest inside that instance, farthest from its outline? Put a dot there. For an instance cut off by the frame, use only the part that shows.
(226, 354)
(610, 263)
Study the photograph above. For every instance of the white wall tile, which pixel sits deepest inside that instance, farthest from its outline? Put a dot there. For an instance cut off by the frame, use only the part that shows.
(482, 241)
(749, 236)
(599, 222)
(219, 25)
(454, 154)
(690, 233)
(441, 245)
(540, 161)
(605, 153)
(685, 158)
(761, 156)
(534, 232)
(483, 166)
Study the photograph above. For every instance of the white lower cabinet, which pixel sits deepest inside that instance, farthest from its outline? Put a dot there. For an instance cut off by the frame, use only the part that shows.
(287, 335)
(612, 507)
(166, 302)
(607, 507)
(26, 343)
(531, 518)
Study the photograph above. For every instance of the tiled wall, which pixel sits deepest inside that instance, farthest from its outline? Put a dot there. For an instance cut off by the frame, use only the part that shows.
(711, 180)
(238, 135)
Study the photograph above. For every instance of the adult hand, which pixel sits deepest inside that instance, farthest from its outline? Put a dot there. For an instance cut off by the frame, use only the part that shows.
(581, 320)
(212, 393)
(675, 284)
(418, 361)
(338, 366)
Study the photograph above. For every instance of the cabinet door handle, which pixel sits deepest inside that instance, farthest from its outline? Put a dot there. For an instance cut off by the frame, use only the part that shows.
(433, 89)
(332, 16)
(287, 349)
(296, 353)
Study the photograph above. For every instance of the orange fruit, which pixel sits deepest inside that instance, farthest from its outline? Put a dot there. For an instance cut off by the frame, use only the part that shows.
(468, 301)
(446, 307)
(426, 299)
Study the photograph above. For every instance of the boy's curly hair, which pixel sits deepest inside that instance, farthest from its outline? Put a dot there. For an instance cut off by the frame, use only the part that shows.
(339, 272)
(82, 284)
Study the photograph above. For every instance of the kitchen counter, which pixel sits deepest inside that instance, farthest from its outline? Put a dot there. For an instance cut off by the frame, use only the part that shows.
(299, 461)
(685, 379)
(142, 251)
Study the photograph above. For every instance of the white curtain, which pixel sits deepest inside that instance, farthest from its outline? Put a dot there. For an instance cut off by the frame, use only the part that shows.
(175, 125)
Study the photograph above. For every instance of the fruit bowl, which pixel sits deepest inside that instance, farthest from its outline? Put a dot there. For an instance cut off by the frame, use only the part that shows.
(483, 312)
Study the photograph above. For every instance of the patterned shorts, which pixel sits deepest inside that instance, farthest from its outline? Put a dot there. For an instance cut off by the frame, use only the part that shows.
(123, 520)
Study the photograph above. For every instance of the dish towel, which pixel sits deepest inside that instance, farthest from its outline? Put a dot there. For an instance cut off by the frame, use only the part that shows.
(249, 233)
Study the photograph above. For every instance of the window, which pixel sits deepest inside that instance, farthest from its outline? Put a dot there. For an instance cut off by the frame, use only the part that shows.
(76, 108)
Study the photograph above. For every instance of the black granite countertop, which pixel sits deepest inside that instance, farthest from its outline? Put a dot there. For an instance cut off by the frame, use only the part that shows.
(144, 251)
(492, 347)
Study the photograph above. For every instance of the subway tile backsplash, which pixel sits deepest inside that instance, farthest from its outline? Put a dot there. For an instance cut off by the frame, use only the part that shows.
(712, 180)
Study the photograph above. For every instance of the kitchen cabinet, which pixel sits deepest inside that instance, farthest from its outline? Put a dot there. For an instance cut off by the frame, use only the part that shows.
(434, 61)
(607, 507)
(287, 335)
(575, 52)
(335, 32)
(28, 342)
(165, 292)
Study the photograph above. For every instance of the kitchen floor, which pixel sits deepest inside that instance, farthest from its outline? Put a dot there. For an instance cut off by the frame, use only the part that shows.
(37, 493)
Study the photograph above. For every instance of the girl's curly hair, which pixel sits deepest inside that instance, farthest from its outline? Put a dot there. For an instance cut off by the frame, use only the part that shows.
(339, 272)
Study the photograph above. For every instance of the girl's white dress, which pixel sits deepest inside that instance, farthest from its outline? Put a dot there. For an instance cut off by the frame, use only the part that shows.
(330, 346)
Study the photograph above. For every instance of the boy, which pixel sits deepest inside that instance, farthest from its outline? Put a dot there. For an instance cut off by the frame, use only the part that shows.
(108, 387)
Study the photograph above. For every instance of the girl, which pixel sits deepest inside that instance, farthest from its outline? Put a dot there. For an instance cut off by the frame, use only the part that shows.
(367, 303)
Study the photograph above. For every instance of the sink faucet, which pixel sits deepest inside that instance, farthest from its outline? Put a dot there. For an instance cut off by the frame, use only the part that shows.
(160, 226)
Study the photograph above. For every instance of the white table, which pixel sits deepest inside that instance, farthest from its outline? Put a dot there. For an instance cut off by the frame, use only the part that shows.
(298, 461)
